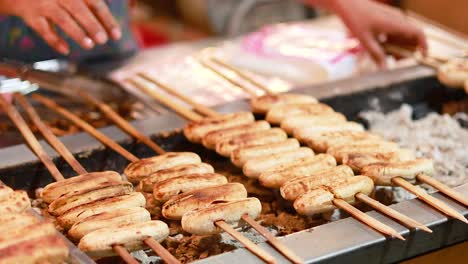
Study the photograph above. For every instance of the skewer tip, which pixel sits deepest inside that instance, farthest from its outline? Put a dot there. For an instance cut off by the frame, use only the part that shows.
(425, 229)
(399, 237)
(463, 219)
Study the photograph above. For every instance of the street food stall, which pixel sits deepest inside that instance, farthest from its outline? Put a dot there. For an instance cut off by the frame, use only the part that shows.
(265, 147)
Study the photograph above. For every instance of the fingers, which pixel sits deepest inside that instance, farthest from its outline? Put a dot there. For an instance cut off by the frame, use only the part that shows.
(403, 31)
(83, 15)
(62, 19)
(101, 11)
(48, 33)
(369, 41)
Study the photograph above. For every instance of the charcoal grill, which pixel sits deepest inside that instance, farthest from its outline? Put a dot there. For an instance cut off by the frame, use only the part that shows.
(341, 241)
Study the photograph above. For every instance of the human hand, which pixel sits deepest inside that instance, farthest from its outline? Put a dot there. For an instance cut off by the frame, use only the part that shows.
(375, 24)
(88, 22)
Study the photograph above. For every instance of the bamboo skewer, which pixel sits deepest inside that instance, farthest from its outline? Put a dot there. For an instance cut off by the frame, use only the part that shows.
(289, 254)
(367, 219)
(124, 254)
(31, 140)
(370, 221)
(165, 100)
(85, 126)
(223, 76)
(265, 233)
(119, 121)
(198, 107)
(43, 156)
(424, 178)
(244, 241)
(48, 135)
(436, 203)
(237, 71)
(405, 220)
(112, 144)
(442, 188)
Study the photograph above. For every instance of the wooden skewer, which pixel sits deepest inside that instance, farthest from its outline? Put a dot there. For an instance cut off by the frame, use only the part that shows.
(424, 178)
(198, 107)
(247, 243)
(436, 203)
(30, 138)
(273, 240)
(124, 254)
(85, 126)
(442, 188)
(112, 144)
(48, 135)
(161, 251)
(408, 222)
(237, 71)
(119, 121)
(366, 219)
(45, 158)
(163, 99)
(230, 80)
(153, 244)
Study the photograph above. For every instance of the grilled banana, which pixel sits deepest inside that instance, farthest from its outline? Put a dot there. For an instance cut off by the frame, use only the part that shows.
(102, 191)
(293, 122)
(241, 155)
(227, 146)
(164, 190)
(320, 200)
(77, 184)
(178, 205)
(138, 170)
(147, 183)
(134, 199)
(363, 146)
(26, 233)
(15, 202)
(202, 221)
(321, 141)
(277, 176)
(210, 139)
(99, 243)
(195, 131)
(282, 112)
(298, 186)
(9, 222)
(46, 249)
(254, 167)
(305, 133)
(264, 103)
(382, 173)
(118, 217)
(4, 191)
(314, 202)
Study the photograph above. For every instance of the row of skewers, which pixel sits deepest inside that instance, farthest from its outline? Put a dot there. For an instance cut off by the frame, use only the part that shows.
(207, 205)
(312, 123)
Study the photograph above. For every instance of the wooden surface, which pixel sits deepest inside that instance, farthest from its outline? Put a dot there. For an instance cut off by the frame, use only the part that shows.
(453, 255)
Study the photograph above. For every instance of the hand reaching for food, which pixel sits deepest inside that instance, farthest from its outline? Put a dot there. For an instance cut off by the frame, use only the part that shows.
(88, 22)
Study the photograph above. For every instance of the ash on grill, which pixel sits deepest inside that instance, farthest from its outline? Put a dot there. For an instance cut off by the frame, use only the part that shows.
(438, 137)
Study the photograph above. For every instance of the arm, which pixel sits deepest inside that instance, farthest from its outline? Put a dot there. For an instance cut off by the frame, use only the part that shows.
(374, 24)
